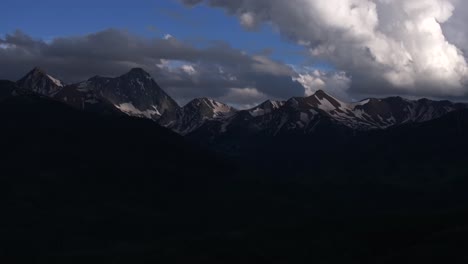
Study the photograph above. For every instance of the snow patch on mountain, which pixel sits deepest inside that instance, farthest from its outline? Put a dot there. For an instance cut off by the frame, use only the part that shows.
(219, 109)
(55, 81)
(131, 110)
(196, 113)
(266, 108)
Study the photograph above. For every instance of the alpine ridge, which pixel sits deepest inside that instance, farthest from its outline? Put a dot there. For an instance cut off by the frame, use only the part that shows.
(304, 115)
(137, 94)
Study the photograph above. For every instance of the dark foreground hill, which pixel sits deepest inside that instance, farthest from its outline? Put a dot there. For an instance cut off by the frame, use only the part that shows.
(78, 184)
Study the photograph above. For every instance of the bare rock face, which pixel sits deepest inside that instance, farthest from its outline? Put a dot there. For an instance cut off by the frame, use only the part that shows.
(39, 82)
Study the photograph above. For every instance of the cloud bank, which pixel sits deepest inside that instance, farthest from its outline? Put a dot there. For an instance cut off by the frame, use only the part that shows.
(183, 70)
(412, 47)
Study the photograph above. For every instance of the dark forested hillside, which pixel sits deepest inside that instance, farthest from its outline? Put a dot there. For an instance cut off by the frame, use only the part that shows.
(81, 183)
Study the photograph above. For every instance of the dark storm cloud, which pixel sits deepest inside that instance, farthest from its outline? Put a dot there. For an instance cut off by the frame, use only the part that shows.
(184, 70)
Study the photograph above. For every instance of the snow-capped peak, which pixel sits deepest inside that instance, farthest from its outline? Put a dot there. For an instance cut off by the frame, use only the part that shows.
(363, 102)
(36, 70)
(131, 110)
(326, 102)
(38, 81)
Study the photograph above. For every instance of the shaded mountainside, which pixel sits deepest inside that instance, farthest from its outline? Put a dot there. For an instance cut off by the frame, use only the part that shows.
(86, 99)
(7, 89)
(407, 183)
(75, 183)
(50, 136)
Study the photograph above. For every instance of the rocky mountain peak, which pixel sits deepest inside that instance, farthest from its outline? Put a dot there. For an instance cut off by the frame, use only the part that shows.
(138, 73)
(38, 81)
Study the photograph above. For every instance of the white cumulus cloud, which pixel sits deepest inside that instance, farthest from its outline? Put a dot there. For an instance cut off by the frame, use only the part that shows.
(412, 47)
(335, 83)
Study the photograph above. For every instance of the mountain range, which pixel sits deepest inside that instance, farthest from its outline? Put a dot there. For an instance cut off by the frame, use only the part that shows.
(137, 94)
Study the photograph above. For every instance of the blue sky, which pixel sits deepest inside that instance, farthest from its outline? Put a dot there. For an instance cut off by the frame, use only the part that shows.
(150, 18)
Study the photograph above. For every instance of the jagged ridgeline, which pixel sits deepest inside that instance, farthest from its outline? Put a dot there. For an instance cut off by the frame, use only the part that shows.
(137, 94)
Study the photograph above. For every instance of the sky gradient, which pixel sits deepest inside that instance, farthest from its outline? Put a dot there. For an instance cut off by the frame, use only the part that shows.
(54, 18)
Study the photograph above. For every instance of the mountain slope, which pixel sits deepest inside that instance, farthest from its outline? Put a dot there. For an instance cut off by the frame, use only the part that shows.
(75, 182)
(85, 99)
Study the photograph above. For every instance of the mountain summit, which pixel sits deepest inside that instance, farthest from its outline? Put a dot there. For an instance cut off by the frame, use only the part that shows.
(135, 93)
(39, 82)
(138, 73)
